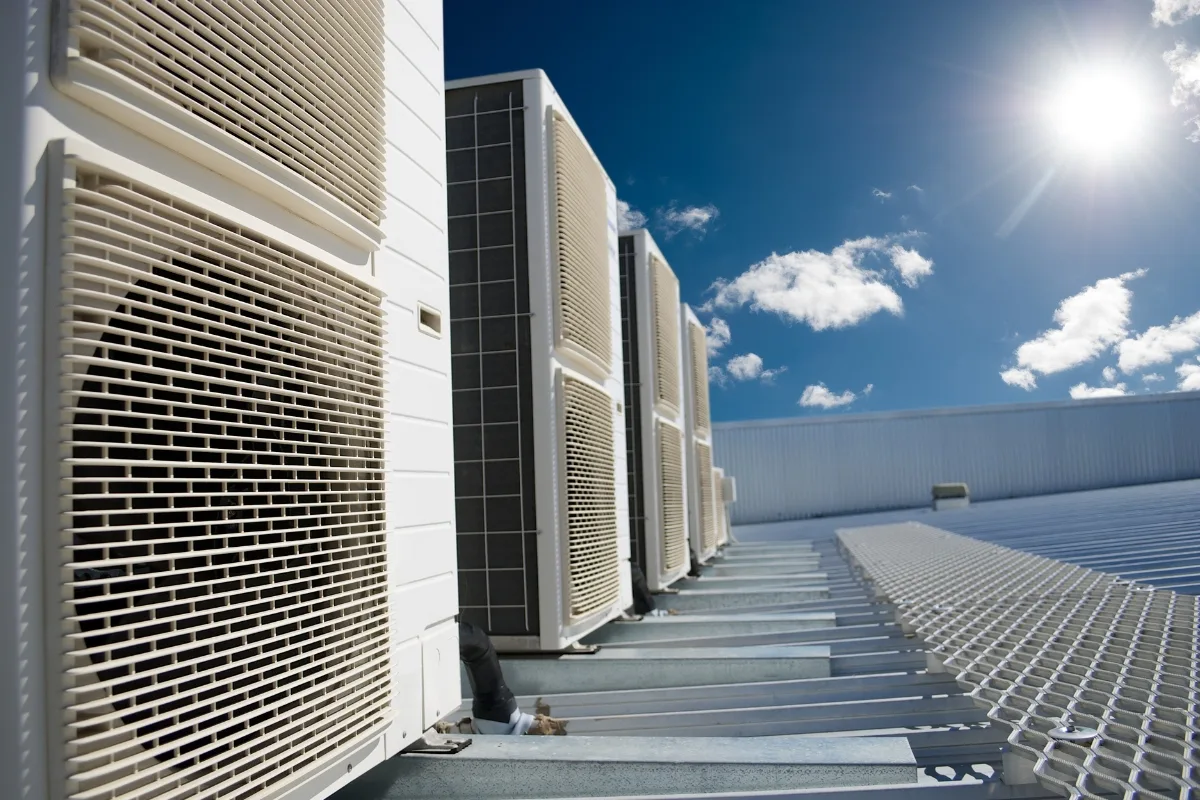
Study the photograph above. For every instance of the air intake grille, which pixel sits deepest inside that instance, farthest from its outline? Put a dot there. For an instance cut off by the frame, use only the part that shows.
(594, 561)
(719, 506)
(670, 461)
(699, 377)
(581, 241)
(708, 518)
(301, 82)
(224, 579)
(666, 334)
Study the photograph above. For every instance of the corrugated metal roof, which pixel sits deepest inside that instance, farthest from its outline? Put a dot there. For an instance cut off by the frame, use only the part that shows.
(878, 684)
(855, 464)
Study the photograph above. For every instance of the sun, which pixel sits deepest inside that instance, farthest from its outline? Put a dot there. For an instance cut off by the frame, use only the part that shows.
(1098, 112)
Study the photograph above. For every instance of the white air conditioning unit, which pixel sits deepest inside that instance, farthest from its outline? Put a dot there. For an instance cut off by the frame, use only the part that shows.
(654, 412)
(702, 512)
(721, 504)
(539, 422)
(249, 586)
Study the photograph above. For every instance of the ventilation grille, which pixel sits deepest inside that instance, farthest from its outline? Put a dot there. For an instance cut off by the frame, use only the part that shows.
(301, 82)
(666, 334)
(699, 378)
(594, 561)
(708, 518)
(224, 580)
(719, 505)
(670, 460)
(581, 240)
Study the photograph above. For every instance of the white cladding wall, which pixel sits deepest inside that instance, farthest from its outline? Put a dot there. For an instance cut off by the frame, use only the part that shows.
(411, 268)
(794, 469)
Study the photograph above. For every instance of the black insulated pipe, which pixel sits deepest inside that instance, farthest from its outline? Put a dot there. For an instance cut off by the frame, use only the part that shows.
(492, 699)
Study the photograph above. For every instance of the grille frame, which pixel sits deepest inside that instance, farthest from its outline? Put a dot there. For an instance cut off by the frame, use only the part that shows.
(77, 180)
(579, 258)
(77, 70)
(603, 590)
(708, 522)
(664, 299)
(672, 525)
(701, 415)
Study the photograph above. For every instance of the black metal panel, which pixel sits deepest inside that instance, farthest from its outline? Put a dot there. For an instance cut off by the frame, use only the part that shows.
(627, 257)
(490, 356)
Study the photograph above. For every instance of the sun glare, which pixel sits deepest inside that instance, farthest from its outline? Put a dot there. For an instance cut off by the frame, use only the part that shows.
(1098, 113)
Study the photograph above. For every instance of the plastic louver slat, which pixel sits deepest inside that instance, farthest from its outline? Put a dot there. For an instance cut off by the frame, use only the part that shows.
(581, 246)
(594, 560)
(224, 612)
(666, 334)
(699, 348)
(670, 459)
(708, 519)
(301, 81)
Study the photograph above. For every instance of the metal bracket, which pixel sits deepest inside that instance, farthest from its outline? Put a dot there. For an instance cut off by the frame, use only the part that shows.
(628, 617)
(668, 590)
(433, 744)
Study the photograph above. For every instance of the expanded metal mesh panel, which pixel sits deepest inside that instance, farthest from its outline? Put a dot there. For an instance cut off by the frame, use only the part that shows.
(581, 245)
(699, 348)
(708, 517)
(670, 476)
(666, 334)
(224, 615)
(1037, 640)
(593, 559)
(301, 81)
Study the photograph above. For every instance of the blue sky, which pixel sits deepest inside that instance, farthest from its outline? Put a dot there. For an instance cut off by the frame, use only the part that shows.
(880, 194)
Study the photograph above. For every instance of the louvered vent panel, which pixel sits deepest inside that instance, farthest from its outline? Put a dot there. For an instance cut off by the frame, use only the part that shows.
(594, 561)
(298, 80)
(699, 378)
(719, 506)
(581, 241)
(666, 334)
(708, 517)
(224, 579)
(670, 460)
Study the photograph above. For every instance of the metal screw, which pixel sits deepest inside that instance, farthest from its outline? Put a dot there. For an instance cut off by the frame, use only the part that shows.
(1075, 734)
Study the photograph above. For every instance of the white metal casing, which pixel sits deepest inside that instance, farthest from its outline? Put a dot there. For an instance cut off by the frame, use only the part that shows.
(657, 417)
(550, 365)
(85, 114)
(702, 528)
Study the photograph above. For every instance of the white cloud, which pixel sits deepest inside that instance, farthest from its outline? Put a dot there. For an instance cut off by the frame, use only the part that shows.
(1153, 377)
(911, 265)
(1081, 391)
(1089, 323)
(674, 220)
(717, 375)
(912, 187)
(1173, 12)
(1184, 63)
(716, 335)
(1022, 378)
(870, 387)
(822, 290)
(819, 396)
(629, 218)
(881, 194)
(1189, 377)
(1160, 344)
(749, 367)
(1110, 375)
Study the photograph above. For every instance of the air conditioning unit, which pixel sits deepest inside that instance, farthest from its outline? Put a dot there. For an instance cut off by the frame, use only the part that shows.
(722, 506)
(654, 412)
(702, 511)
(539, 418)
(249, 587)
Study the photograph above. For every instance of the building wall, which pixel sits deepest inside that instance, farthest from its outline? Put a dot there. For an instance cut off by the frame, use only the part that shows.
(795, 469)
(410, 268)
